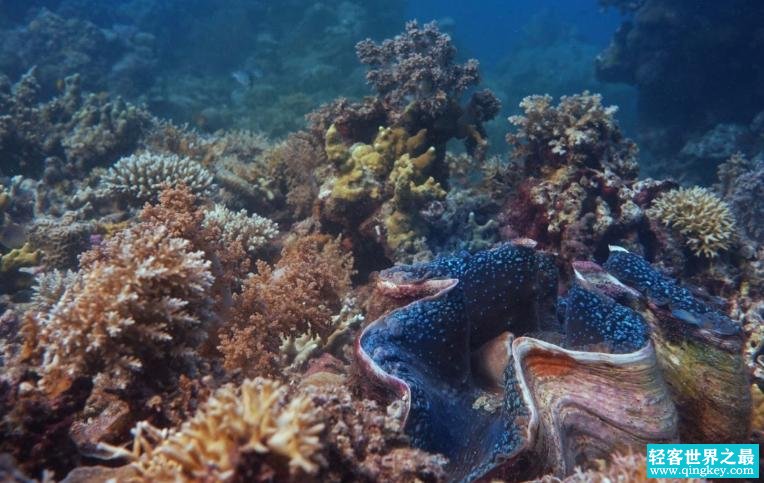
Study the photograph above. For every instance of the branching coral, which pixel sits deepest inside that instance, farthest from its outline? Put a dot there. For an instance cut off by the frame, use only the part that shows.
(578, 131)
(701, 217)
(417, 66)
(253, 232)
(298, 296)
(577, 176)
(420, 86)
(142, 177)
(85, 130)
(139, 298)
(239, 431)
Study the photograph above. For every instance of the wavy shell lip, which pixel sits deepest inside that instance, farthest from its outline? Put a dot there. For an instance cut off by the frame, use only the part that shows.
(378, 375)
(607, 400)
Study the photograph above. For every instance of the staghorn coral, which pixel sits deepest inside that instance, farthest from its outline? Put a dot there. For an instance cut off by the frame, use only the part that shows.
(297, 296)
(252, 232)
(702, 218)
(141, 178)
(179, 213)
(252, 430)
(49, 287)
(140, 299)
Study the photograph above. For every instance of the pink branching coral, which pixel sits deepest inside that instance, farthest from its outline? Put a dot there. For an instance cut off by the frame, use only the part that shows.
(298, 295)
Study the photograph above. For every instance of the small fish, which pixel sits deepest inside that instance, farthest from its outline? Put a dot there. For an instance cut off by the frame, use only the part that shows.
(246, 77)
(242, 77)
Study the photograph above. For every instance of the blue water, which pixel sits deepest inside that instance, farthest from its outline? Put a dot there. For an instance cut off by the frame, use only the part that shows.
(490, 28)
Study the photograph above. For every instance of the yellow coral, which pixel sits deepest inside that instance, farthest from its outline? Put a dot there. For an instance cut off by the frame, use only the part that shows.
(19, 257)
(364, 168)
(701, 217)
(254, 418)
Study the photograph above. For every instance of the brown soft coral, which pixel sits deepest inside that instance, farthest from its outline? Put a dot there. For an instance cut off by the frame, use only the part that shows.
(297, 296)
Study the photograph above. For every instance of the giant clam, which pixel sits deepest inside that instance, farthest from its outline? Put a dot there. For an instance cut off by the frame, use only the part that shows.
(491, 368)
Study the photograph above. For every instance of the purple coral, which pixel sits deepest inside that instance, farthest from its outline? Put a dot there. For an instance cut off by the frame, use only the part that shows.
(417, 66)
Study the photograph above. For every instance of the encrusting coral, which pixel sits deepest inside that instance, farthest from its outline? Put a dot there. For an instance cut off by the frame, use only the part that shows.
(702, 218)
(142, 177)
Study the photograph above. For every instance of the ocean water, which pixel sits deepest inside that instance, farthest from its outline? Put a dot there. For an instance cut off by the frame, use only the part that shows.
(378, 240)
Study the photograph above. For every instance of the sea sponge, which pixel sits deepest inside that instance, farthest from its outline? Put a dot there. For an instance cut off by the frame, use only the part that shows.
(254, 427)
(253, 232)
(702, 218)
(140, 297)
(142, 177)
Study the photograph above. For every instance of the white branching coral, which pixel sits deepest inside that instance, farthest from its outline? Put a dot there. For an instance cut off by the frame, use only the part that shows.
(252, 231)
(142, 296)
(701, 217)
(236, 423)
(143, 176)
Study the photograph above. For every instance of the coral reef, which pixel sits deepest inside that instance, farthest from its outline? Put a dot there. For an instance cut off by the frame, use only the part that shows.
(243, 300)
(81, 130)
(702, 218)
